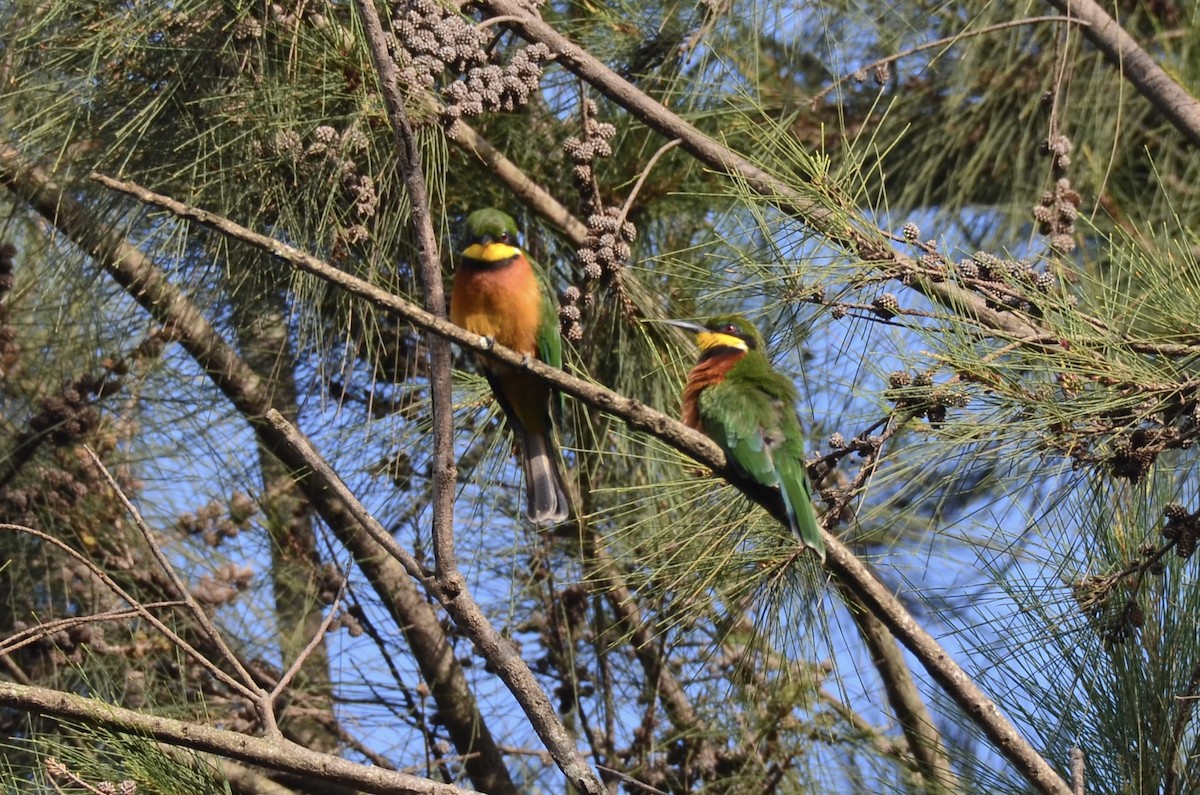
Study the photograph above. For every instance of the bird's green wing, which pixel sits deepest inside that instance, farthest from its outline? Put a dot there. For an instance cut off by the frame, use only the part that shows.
(762, 437)
(549, 337)
(736, 420)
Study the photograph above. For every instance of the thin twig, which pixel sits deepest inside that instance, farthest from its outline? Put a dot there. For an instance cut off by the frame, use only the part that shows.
(262, 706)
(496, 21)
(641, 180)
(946, 41)
(631, 782)
(58, 770)
(314, 641)
(1183, 719)
(141, 609)
(19, 640)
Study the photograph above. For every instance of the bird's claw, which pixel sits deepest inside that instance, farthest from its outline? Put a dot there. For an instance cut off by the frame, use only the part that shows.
(486, 342)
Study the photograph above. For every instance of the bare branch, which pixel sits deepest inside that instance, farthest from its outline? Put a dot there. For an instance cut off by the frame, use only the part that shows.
(445, 472)
(923, 739)
(270, 753)
(314, 641)
(262, 703)
(19, 640)
(1136, 65)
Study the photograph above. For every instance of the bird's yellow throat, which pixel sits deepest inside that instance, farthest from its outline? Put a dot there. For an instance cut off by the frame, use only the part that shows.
(707, 340)
(492, 252)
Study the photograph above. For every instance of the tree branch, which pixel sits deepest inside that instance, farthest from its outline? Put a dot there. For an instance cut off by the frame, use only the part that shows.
(1135, 65)
(854, 575)
(453, 589)
(923, 739)
(445, 472)
(273, 754)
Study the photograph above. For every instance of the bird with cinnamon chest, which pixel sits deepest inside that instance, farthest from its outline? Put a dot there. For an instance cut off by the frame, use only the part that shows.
(498, 293)
(738, 400)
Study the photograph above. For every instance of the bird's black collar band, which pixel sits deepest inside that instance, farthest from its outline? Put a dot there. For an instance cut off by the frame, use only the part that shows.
(721, 352)
(485, 265)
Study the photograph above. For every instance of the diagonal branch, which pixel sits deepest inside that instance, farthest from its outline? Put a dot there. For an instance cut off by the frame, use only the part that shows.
(260, 699)
(1135, 65)
(272, 754)
(924, 741)
(519, 184)
(853, 574)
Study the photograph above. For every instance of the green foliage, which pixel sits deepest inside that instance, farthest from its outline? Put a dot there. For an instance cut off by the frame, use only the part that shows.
(97, 757)
(1015, 486)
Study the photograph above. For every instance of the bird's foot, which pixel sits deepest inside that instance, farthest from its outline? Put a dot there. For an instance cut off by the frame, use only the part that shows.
(486, 342)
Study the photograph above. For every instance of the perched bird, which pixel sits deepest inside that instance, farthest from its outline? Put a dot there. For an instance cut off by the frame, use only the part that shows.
(498, 294)
(735, 398)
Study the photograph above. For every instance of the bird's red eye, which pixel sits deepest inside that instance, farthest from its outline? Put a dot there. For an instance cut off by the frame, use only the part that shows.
(730, 328)
(505, 238)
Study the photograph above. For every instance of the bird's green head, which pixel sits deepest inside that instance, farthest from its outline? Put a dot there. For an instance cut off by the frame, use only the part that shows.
(724, 331)
(491, 236)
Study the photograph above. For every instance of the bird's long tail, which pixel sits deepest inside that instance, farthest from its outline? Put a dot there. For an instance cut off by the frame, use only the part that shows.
(546, 496)
(797, 498)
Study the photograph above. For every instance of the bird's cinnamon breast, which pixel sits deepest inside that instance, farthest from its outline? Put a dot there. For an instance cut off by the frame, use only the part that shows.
(711, 370)
(503, 303)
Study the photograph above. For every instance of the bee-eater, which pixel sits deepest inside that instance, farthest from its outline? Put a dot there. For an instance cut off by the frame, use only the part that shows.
(498, 294)
(734, 397)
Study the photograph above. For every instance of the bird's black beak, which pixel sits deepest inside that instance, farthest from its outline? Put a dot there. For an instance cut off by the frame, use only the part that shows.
(685, 324)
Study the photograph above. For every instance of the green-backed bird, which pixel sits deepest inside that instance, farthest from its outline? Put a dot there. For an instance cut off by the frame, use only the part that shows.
(498, 293)
(735, 398)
